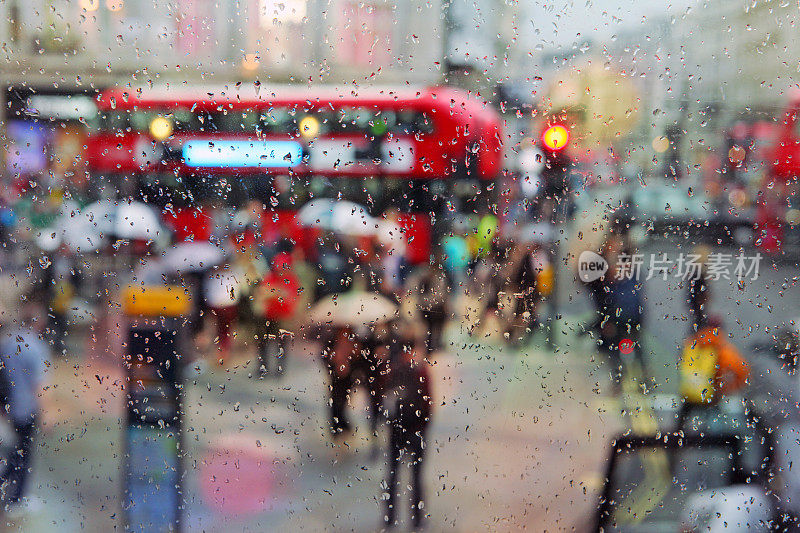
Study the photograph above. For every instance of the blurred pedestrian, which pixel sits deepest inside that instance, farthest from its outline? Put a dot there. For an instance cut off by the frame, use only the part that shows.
(24, 357)
(369, 369)
(699, 290)
(492, 277)
(774, 392)
(619, 298)
(62, 281)
(249, 260)
(456, 260)
(335, 268)
(598, 288)
(409, 406)
(523, 285)
(488, 225)
(222, 293)
(339, 349)
(393, 257)
(275, 302)
(428, 286)
(710, 367)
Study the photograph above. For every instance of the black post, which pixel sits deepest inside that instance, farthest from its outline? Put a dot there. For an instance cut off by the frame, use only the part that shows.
(152, 435)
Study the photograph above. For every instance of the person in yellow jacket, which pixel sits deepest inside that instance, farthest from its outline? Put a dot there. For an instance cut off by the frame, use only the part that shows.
(710, 367)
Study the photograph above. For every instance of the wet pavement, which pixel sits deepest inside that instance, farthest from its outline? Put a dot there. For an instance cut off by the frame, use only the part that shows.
(518, 440)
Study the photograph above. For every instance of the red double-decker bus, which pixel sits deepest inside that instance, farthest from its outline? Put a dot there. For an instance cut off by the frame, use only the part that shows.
(421, 151)
(778, 203)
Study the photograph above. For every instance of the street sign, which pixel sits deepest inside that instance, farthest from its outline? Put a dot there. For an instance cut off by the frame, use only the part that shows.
(155, 300)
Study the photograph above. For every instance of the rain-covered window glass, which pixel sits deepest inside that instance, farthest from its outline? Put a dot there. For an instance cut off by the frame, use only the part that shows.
(340, 265)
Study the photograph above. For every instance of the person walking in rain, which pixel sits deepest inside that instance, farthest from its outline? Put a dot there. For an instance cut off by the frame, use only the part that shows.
(409, 404)
(275, 303)
(523, 285)
(699, 291)
(24, 357)
(618, 298)
(429, 286)
(340, 349)
(775, 394)
(710, 367)
(222, 292)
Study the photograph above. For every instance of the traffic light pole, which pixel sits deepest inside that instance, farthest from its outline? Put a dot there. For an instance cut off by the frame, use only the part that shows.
(556, 186)
(558, 221)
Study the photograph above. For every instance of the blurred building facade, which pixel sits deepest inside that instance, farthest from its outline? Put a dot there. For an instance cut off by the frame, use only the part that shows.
(694, 74)
(721, 61)
(119, 41)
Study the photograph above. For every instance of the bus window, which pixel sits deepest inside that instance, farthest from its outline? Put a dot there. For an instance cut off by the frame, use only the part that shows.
(236, 121)
(278, 120)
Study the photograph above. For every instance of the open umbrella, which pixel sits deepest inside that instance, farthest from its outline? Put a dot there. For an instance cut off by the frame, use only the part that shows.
(136, 220)
(79, 233)
(75, 236)
(340, 216)
(125, 220)
(73, 228)
(100, 216)
(48, 239)
(353, 309)
(193, 256)
(81, 238)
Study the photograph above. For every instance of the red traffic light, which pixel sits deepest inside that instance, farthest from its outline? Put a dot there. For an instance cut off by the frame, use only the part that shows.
(555, 137)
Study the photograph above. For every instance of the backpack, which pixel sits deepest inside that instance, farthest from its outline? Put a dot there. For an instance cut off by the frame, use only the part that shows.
(5, 387)
(698, 370)
(64, 292)
(626, 301)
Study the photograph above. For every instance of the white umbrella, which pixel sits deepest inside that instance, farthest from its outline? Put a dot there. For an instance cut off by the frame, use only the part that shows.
(100, 216)
(48, 240)
(78, 232)
(75, 236)
(75, 227)
(193, 256)
(353, 308)
(136, 220)
(72, 228)
(81, 236)
(337, 215)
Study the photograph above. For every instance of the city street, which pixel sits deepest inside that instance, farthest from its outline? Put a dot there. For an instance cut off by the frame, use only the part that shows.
(457, 265)
(517, 440)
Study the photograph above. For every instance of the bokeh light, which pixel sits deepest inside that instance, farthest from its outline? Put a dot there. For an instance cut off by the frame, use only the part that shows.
(555, 137)
(160, 128)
